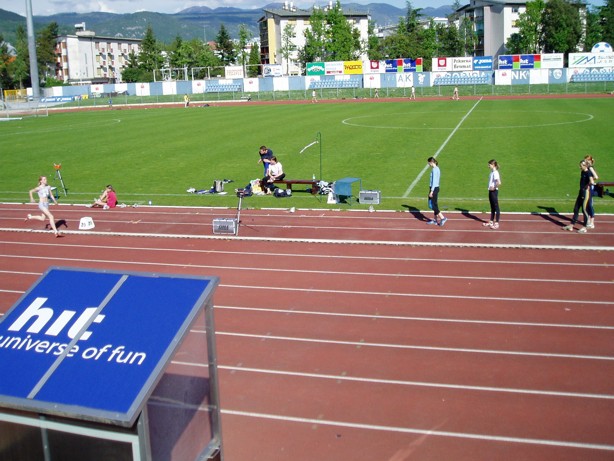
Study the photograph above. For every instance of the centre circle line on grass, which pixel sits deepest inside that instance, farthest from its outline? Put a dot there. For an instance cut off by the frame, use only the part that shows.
(456, 128)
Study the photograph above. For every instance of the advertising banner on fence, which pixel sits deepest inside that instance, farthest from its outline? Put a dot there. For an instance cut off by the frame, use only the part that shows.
(372, 81)
(334, 68)
(374, 67)
(441, 64)
(591, 60)
(352, 67)
(233, 71)
(520, 61)
(404, 65)
(272, 70)
(483, 63)
(553, 61)
(316, 68)
(405, 80)
(251, 85)
(462, 64)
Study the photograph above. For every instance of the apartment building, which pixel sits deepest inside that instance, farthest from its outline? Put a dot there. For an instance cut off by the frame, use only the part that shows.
(84, 58)
(495, 21)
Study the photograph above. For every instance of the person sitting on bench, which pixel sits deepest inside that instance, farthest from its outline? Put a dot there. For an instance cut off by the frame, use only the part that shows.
(274, 173)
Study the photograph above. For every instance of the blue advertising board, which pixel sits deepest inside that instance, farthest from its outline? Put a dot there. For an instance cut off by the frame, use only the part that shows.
(483, 63)
(93, 344)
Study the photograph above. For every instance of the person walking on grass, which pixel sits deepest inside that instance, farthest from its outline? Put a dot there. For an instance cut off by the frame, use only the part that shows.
(583, 200)
(494, 181)
(439, 218)
(44, 192)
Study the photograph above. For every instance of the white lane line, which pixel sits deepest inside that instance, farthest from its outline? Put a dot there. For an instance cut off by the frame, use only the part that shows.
(277, 239)
(327, 291)
(429, 432)
(426, 167)
(363, 274)
(397, 382)
(422, 295)
(285, 312)
(599, 265)
(416, 347)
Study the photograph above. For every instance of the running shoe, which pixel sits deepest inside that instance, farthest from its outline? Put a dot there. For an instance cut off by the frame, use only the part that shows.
(568, 228)
(590, 226)
(443, 221)
(495, 226)
(432, 221)
(487, 224)
(582, 230)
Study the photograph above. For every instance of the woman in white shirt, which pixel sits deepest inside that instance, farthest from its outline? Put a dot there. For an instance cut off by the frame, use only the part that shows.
(494, 181)
(274, 173)
(44, 192)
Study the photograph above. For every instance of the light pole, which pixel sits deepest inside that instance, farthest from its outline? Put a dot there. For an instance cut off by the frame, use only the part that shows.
(32, 52)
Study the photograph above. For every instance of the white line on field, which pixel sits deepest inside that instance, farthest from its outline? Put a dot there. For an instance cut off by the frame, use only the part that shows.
(419, 177)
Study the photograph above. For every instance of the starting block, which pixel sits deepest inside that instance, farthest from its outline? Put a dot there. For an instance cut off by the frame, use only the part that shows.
(86, 223)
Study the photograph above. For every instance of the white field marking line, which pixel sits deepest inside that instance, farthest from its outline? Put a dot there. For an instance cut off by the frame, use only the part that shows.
(599, 265)
(419, 348)
(426, 167)
(429, 432)
(361, 274)
(326, 241)
(350, 121)
(398, 382)
(285, 312)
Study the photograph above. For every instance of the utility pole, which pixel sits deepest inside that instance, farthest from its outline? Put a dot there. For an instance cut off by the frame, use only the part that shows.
(32, 51)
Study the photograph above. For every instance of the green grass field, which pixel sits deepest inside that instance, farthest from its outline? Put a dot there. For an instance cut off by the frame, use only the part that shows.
(156, 154)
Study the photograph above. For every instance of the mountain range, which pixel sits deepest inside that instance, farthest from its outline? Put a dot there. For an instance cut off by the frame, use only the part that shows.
(195, 22)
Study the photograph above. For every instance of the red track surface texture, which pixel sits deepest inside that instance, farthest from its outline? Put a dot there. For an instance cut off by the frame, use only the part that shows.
(372, 336)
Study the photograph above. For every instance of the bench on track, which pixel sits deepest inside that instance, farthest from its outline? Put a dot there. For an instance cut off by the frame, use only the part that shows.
(290, 182)
(600, 187)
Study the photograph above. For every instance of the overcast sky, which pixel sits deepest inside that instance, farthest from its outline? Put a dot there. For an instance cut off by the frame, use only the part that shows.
(48, 7)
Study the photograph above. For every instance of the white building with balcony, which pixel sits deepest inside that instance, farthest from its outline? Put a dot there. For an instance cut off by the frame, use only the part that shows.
(84, 58)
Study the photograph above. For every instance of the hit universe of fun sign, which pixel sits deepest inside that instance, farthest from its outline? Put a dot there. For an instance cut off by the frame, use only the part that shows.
(92, 343)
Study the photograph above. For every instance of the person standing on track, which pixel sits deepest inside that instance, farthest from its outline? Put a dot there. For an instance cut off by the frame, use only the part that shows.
(583, 199)
(494, 181)
(439, 218)
(591, 210)
(44, 192)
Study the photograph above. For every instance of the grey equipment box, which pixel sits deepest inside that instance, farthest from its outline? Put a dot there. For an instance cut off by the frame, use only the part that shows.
(369, 196)
(225, 226)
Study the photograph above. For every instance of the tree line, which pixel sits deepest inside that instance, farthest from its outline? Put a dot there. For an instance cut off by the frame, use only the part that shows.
(555, 26)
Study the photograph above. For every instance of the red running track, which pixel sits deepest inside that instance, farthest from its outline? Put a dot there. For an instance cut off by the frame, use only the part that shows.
(372, 336)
